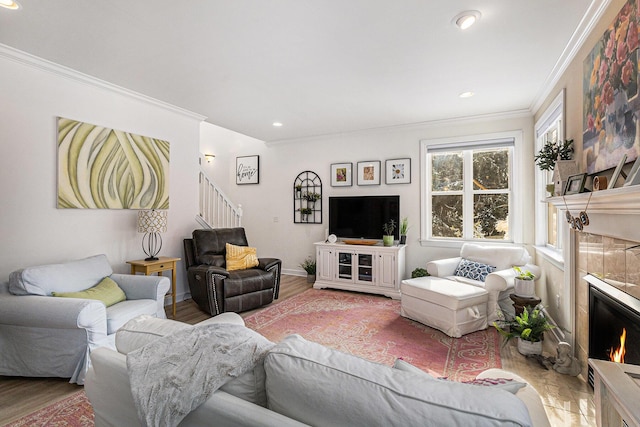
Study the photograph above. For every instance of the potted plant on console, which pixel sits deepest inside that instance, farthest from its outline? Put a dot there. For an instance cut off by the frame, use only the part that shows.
(404, 226)
(524, 283)
(528, 327)
(388, 228)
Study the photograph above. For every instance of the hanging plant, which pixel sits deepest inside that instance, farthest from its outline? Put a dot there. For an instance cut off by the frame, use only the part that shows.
(550, 153)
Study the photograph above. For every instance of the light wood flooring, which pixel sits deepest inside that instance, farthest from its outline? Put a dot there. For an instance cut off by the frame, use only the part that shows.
(568, 400)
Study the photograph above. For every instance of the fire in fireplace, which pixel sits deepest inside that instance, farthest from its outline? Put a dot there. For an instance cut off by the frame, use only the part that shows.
(614, 324)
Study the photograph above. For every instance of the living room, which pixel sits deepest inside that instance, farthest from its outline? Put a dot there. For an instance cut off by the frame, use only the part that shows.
(35, 92)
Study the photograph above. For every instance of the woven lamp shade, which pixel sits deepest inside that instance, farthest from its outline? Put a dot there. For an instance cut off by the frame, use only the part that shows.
(152, 221)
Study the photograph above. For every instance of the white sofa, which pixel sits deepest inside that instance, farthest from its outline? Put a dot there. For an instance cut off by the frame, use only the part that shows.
(46, 336)
(499, 283)
(304, 383)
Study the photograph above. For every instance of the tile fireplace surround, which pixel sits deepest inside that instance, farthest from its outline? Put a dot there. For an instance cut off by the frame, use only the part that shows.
(607, 248)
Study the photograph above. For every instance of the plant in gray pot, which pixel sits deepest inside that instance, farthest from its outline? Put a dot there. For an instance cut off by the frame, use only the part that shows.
(524, 283)
(309, 265)
(404, 226)
(529, 327)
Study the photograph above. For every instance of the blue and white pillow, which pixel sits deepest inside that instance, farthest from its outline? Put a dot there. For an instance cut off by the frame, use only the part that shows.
(473, 270)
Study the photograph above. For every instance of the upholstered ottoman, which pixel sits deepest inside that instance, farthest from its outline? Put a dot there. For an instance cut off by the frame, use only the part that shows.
(452, 307)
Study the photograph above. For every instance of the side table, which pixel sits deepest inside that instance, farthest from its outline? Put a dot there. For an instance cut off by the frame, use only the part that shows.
(519, 303)
(163, 263)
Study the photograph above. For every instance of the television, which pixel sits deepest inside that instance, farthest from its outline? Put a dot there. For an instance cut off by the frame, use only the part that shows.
(362, 217)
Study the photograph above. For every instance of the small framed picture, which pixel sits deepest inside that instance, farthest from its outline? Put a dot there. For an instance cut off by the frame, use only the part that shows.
(398, 171)
(633, 178)
(341, 174)
(575, 184)
(247, 170)
(369, 172)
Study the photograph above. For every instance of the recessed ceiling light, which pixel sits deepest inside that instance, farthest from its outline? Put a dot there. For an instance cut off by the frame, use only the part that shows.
(277, 124)
(466, 19)
(467, 94)
(9, 4)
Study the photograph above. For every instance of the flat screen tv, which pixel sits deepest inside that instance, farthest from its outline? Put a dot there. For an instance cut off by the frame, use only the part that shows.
(362, 217)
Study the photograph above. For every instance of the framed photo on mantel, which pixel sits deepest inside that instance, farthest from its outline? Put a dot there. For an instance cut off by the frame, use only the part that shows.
(248, 170)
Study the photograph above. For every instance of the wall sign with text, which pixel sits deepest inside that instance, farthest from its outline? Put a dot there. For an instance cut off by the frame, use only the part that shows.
(248, 170)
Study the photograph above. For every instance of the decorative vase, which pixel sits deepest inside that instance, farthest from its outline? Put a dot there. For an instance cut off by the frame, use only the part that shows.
(524, 288)
(529, 347)
(387, 240)
(403, 239)
(311, 278)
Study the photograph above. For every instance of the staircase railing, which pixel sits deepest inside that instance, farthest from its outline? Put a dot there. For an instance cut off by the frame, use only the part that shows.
(216, 209)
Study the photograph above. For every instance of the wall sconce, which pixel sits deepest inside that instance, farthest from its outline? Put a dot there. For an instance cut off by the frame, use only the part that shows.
(209, 157)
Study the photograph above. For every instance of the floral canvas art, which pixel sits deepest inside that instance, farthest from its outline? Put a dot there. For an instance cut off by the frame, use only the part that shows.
(610, 87)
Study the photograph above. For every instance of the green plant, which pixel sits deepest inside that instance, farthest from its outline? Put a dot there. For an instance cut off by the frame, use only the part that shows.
(298, 187)
(523, 274)
(312, 197)
(419, 272)
(388, 227)
(306, 211)
(550, 153)
(404, 226)
(530, 325)
(309, 265)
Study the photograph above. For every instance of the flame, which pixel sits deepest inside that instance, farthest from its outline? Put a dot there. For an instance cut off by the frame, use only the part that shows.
(618, 354)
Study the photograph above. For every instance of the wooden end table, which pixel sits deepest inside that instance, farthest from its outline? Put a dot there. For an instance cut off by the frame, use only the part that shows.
(163, 263)
(519, 303)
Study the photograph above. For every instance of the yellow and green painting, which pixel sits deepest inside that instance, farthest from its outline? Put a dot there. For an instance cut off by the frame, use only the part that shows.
(102, 168)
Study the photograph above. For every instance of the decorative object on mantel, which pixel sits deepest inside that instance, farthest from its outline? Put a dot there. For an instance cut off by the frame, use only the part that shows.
(565, 363)
(580, 221)
(633, 178)
(610, 86)
(557, 158)
(575, 184)
(599, 182)
(307, 198)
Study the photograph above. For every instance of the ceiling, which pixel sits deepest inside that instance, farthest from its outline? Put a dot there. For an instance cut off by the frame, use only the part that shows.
(317, 66)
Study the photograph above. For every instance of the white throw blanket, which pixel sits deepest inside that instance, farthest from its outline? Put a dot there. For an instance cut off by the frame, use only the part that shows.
(173, 375)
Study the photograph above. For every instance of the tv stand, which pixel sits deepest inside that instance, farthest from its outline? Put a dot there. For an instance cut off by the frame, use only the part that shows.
(372, 269)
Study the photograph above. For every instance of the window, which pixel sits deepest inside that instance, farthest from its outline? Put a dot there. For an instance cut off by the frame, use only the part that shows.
(548, 220)
(469, 190)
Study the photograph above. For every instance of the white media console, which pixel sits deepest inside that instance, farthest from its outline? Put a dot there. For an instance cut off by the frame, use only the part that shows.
(373, 269)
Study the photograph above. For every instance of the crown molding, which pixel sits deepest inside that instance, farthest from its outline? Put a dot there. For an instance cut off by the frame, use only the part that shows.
(589, 20)
(33, 61)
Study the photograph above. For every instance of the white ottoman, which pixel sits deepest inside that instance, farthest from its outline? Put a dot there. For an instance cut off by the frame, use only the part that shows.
(452, 307)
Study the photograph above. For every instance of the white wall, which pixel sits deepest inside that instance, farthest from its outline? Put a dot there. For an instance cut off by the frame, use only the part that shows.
(268, 206)
(33, 231)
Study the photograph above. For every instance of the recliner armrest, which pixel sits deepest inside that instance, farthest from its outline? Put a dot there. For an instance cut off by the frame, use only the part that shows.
(204, 269)
(267, 263)
(443, 267)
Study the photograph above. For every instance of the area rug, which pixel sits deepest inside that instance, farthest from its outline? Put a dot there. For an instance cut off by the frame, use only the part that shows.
(73, 411)
(370, 326)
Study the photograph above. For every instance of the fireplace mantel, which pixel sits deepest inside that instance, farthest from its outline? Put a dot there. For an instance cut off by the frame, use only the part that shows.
(622, 200)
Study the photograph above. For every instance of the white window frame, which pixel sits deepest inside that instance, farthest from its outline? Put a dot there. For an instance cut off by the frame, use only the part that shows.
(465, 143)
(552, 117)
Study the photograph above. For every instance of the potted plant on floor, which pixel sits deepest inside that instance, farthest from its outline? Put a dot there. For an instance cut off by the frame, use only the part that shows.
(404, 226)
(529, 327)
(388, 228)
(309, 265)
(524, 283)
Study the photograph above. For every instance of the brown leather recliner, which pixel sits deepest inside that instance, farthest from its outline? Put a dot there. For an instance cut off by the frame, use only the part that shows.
(217, 290)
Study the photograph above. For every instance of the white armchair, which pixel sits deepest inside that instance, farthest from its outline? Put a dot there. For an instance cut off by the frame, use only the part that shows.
(499, 283)
(45, 336)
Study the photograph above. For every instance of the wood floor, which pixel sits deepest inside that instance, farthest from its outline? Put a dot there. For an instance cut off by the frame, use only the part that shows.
(568, 401)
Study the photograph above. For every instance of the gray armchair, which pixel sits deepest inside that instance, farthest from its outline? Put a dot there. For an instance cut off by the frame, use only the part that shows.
(46, 336)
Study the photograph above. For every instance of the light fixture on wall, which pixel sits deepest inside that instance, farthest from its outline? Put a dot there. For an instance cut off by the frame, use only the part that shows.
(466, 19)
(9, 4)
(152, 223)
(209, 157)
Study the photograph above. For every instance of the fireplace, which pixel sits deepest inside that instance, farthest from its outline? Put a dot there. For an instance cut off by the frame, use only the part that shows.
(614, 324)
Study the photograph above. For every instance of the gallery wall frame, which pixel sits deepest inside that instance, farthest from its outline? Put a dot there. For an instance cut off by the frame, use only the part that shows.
(105, 168)
(341, 174)
(369, 172)
(398, 171)
(247, 170)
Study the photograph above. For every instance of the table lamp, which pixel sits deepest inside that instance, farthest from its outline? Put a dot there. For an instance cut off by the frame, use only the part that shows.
(152, 223)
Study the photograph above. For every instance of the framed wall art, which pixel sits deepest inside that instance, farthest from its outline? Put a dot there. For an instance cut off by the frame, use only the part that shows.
(341, 174)
(104, 168)
(398, 171)
(248, 170)
(369, 172)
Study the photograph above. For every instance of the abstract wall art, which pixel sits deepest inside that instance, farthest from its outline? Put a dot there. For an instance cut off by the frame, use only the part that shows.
(103, 168)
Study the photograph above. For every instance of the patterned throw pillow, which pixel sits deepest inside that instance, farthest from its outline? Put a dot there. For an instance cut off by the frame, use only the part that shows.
(473, 270)
(240, 257)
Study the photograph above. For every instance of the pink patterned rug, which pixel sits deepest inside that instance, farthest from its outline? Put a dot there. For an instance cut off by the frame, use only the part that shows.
(370, 326)
(74, 411)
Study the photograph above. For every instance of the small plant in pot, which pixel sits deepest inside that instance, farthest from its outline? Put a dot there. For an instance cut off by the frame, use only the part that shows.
(551, 152)
(524, 282)
(404, 226)
(309, 265)
(529, 327)
(388, 228)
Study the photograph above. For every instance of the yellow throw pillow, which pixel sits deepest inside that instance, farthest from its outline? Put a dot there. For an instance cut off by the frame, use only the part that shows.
(240, 257)
(106, 291)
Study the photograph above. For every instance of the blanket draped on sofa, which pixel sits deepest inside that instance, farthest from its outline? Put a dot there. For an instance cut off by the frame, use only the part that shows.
(173, 375)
